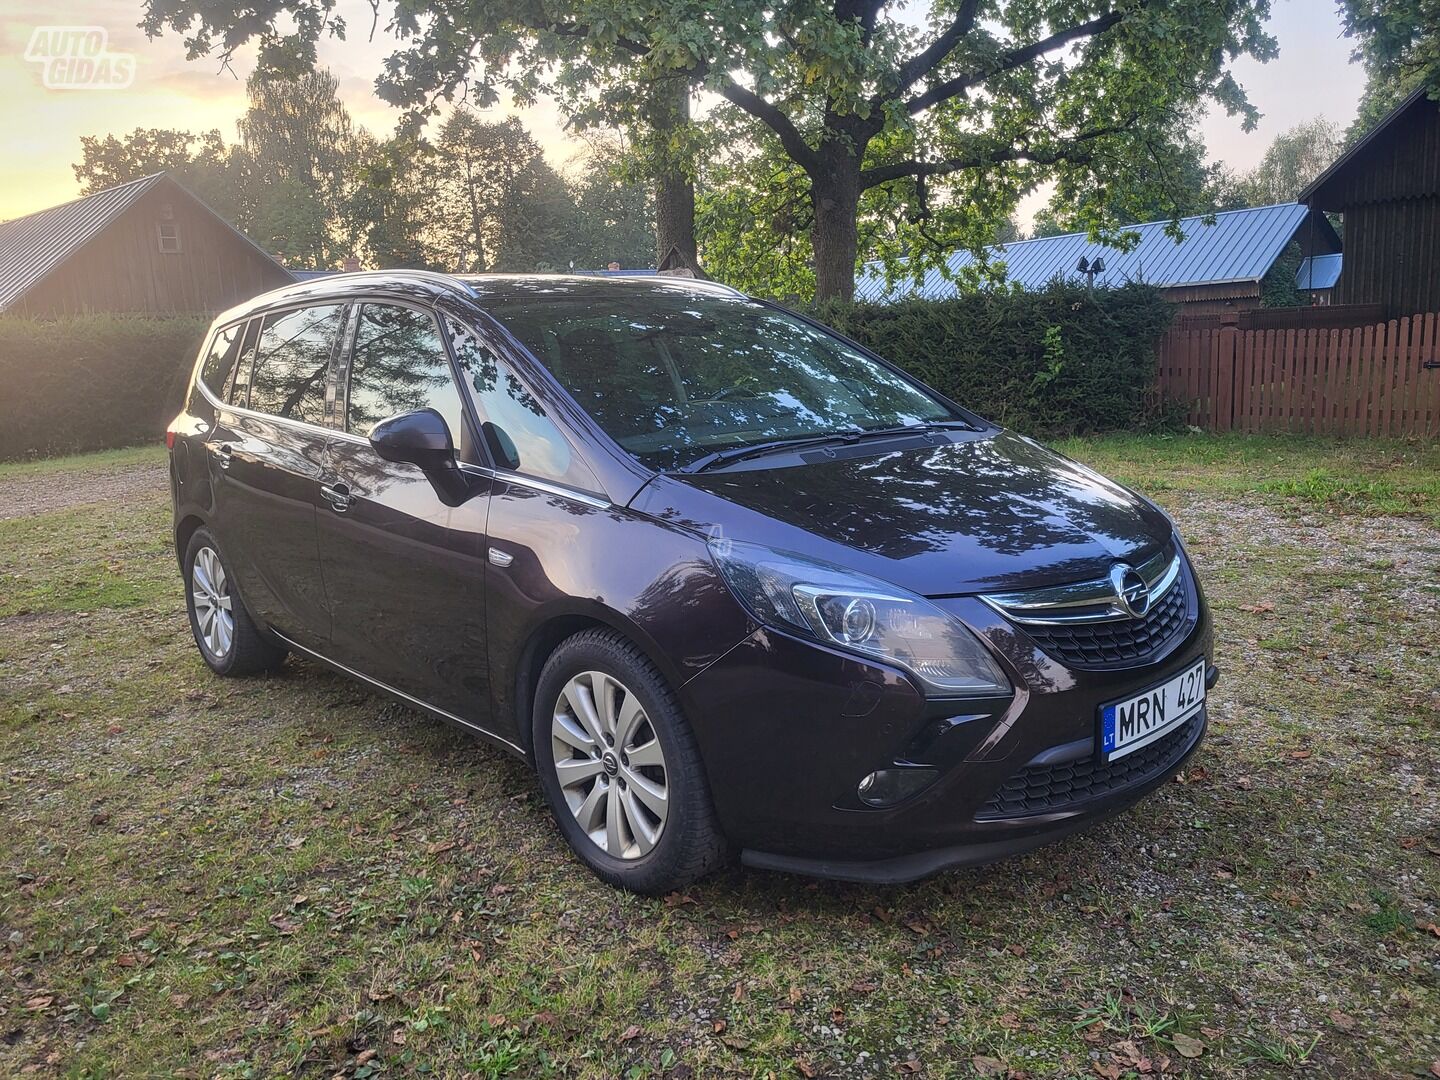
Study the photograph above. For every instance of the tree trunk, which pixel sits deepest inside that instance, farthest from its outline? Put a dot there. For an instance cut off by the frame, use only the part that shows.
(835, 198)
(674, 186)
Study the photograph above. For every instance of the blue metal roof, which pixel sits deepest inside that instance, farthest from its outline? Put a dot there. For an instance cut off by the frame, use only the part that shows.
(1319, 271)
(1240, 246)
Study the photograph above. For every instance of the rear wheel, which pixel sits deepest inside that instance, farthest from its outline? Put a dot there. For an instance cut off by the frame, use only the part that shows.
(620, 768)
(227, 637)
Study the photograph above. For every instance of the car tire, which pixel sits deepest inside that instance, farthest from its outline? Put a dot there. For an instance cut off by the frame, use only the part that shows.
(228, 639)
(601, 779)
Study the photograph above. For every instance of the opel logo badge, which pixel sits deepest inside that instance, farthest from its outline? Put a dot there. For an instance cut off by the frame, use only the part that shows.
(1131, 591)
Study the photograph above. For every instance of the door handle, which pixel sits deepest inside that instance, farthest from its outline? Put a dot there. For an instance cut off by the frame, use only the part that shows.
(223, 454)
(337, 495)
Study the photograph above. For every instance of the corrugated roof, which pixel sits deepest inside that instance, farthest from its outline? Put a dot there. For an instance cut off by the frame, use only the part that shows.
(32, 246)
(1241, 245)
(1319, 271)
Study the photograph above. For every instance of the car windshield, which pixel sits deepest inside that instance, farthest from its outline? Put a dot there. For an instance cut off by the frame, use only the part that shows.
(677, 376)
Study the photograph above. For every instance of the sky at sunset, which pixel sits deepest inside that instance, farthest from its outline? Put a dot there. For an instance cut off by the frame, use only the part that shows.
(40, 128)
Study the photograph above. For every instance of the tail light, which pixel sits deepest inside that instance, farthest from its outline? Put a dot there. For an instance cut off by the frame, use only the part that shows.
(170, 440)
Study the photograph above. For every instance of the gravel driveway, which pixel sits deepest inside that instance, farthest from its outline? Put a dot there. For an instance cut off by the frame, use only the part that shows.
(28, 494)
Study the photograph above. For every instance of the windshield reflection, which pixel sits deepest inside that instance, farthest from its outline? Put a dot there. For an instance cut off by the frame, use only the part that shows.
(688, 375)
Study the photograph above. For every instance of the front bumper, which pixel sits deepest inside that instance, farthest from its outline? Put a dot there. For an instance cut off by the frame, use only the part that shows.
(787, 729)
(1025, 833)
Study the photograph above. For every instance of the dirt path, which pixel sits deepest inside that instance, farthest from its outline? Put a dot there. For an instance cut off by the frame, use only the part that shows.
(29, 494)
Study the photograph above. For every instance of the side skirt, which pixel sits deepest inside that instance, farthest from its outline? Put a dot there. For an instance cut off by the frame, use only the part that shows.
(406, 699)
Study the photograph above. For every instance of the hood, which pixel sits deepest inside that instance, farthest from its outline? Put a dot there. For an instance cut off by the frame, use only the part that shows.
(993, 513)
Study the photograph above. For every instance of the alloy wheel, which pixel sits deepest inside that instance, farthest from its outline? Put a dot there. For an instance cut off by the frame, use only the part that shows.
(610, 765)
(214, 605)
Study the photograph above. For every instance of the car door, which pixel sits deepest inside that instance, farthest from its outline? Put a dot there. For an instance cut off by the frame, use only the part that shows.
(404, 573)
(267, 455)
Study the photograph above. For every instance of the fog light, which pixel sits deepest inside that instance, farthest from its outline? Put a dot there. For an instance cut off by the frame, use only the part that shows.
(887, 787)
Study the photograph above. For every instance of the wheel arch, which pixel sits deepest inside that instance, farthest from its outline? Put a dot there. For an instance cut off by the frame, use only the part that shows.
(541, 643)
(185, 528)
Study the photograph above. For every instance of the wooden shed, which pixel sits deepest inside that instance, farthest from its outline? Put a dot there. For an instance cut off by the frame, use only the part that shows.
(145, 247)
(1386, 189)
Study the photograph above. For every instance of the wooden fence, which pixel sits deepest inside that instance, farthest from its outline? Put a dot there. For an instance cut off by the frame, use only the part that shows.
(1382, 379)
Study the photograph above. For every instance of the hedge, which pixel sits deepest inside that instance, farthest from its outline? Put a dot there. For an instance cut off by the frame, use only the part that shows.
(91, 382)
(1061, 361)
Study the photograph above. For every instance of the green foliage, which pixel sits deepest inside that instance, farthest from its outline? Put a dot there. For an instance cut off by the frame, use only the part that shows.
(1181, 183)
(201, 163)
(1277, 287)
(1398, 41)
(1061, 361)
(91, 382)
(1295, 158)
(616, 212)
(910, 137)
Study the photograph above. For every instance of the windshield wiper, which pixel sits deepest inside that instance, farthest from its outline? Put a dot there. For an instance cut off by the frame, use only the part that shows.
(735, 453)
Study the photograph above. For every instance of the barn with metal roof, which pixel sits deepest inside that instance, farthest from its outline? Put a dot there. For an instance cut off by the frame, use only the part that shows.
(1219, 263)
(147, 246)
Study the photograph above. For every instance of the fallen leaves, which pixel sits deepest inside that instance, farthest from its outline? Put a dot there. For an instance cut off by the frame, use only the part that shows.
(630, 1034)
(987, 1066)
(1344, 1021)
(1186, 1045)
(1264, 607)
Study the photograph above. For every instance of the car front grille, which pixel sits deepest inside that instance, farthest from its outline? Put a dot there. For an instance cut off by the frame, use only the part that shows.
(1122, 642)
(1039, 789)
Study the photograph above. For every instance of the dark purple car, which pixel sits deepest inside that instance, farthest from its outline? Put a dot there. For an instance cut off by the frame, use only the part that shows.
(727, 580)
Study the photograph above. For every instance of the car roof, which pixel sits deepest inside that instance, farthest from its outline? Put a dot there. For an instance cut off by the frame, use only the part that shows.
(427, 285)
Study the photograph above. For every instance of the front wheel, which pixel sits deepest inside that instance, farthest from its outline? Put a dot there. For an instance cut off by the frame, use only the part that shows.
(620, 769)
(227, 637)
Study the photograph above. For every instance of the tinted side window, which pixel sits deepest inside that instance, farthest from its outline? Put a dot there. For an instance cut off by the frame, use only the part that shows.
(518, 432)
(219, 363)
(240, 388)
(293, 361)
(399, 365)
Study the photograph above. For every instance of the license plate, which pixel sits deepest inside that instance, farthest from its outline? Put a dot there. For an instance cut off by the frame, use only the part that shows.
(1126, 726)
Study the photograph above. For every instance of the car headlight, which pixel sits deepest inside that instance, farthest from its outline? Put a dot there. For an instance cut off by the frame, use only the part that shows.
(862, 614)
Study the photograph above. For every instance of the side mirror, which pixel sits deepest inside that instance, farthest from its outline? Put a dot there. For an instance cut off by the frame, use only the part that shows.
(422, 438)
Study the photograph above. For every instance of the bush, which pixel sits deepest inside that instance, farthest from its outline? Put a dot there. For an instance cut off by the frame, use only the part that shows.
(1062, 361)
(91, 382)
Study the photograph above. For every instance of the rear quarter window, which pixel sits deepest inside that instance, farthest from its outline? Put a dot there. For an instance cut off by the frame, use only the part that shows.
(219, 363)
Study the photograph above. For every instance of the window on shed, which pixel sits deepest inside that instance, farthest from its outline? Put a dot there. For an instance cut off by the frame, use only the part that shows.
(169, 237)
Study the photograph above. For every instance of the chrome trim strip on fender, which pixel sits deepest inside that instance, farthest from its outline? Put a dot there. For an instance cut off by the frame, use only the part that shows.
(444, 714)
(538, 485)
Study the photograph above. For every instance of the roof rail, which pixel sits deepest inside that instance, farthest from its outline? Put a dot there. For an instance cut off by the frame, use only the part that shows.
(454, 284)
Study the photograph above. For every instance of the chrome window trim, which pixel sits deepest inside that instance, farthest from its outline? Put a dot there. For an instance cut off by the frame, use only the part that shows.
(1076, 603)
(480, 470)
(521, 480)
(244, 411)
(468, 724)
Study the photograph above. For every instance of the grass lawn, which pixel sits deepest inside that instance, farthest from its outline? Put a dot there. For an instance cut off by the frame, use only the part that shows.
(287, 875)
